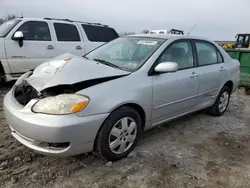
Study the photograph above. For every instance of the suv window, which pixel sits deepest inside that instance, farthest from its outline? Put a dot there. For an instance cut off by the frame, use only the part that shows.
(99, 34)
(35, 30)
(66, 32)
(179, 52)
(207, 53)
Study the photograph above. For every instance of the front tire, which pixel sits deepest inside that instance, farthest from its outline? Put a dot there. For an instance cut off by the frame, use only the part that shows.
(221, 103)
(119, 134)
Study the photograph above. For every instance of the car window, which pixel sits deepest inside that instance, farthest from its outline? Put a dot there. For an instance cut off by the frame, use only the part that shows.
(207, 53)
(179, 52)
(246, 39)
(127, 53)
(220, 58)
(66, 32)
(240, 40)
(35, 30)
(99, 34)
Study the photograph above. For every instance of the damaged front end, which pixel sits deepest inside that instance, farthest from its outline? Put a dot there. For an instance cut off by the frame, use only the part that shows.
(65, 74)
(73, 88)
(24, 92)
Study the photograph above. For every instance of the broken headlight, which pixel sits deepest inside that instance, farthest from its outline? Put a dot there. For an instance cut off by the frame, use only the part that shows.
(61, 104)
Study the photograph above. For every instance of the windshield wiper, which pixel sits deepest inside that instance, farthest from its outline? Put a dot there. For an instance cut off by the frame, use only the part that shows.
(107, 63)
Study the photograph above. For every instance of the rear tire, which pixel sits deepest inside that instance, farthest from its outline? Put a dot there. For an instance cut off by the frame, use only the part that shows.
(119, 134)
(247, 90)
(221, 103)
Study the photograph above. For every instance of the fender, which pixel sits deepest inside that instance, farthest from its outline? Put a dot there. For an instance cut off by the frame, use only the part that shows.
(224, 85)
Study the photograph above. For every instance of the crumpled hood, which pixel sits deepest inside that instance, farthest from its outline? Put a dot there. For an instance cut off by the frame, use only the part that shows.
(69, 69)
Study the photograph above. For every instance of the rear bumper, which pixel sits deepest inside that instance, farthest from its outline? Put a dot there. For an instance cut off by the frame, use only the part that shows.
(36, 130)
(236, 84)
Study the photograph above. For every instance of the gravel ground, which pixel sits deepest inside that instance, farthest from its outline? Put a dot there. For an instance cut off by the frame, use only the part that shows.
(195, 151)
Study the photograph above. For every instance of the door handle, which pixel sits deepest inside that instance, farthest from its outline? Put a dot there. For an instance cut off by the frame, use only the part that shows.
(222, 69)
(78, 47)
(50, 47)
(194, 75)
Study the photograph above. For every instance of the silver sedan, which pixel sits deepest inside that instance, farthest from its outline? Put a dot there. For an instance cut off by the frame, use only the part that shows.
(104, 100)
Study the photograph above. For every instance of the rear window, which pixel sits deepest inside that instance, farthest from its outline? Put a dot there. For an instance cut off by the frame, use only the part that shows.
(99, 34)
(66, 32)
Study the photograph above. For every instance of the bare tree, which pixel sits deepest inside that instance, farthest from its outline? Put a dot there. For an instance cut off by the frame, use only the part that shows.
(6, 18)
(10, 17)
(145, 31)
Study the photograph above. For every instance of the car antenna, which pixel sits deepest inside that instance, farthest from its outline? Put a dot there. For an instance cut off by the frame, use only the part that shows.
(191, 29)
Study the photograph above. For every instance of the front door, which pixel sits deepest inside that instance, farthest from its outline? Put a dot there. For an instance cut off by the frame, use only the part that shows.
(35, 49)
(175, 93)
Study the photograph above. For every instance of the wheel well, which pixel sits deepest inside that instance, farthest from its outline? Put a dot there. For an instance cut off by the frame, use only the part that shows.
(137, 108)
(229, 84)
(140, 110)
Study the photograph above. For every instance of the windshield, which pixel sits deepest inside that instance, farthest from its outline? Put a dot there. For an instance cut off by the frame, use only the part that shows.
(126, 53)
(6, 27)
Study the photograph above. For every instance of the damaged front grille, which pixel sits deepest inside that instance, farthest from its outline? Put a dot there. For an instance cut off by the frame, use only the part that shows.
(24, 92)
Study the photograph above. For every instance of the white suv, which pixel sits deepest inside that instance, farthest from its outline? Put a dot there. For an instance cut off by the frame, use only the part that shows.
(27, 42)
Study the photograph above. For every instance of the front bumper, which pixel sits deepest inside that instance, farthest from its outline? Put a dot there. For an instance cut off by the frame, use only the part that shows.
(32, 129)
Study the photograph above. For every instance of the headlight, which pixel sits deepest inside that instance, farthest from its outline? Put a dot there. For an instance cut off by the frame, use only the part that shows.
(61, 104)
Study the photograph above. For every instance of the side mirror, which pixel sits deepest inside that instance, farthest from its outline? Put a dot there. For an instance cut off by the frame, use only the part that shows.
(166, 67)
(18, 36)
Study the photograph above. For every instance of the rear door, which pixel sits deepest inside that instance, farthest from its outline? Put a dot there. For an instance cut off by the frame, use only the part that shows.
(35, 49)
(68, 39)
(211, 72)
(97, 35)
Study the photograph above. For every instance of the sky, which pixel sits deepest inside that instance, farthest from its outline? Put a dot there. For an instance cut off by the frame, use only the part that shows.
(214, 19)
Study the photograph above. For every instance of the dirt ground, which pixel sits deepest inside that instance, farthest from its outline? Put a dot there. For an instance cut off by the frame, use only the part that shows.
(195, 151)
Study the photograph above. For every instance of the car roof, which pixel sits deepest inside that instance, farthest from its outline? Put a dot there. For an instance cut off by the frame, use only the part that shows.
(168, 36)
(61, 20)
